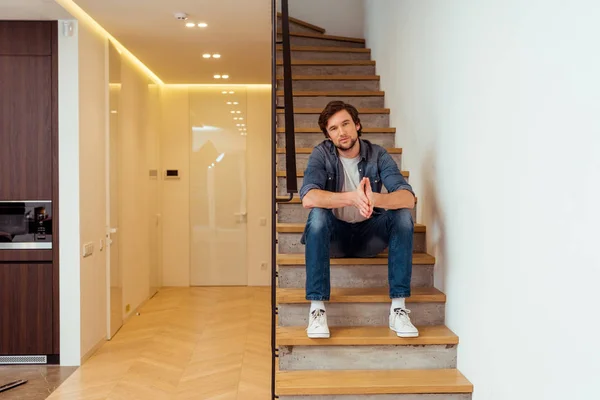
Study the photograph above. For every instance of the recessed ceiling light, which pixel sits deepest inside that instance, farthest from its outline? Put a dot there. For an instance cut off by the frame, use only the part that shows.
(217, 76)
(238, 125)
(241, 118)
(228, 102)
(224, 92)
(216, 56)
(236, 103)
(243, 125)
(239, 112)
(235, 118)
(206, 55)
(231, 92)
(233, 112)
(190, 24)
(225, 76)
(202, 25)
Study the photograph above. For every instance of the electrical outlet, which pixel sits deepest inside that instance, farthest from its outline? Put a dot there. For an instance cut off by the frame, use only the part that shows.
(88, 249)
(263, 266)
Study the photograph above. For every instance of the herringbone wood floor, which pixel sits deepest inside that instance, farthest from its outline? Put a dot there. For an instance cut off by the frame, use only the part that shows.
(188, 343)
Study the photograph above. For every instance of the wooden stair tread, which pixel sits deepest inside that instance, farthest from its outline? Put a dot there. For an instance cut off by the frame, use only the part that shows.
(308, 150)
(326, 37)
(362, 295)
(305, 110)
(290, 259)
(332, 77)
(365, 336)
(303, 23)
(327, 49)
(329, 93)
(330, 62)
(298, 227)
(296, 200)
(323, 382)
(300, 174)
(318, 130)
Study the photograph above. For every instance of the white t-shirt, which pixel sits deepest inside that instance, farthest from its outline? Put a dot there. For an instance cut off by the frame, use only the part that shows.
(351, 181)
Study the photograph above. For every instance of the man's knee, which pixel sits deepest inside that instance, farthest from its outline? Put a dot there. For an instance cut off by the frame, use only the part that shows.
(319, 220)
(401, 219)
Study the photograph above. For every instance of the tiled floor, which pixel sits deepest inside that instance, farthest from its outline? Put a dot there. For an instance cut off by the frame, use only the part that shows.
(41, 381)
(187, 343)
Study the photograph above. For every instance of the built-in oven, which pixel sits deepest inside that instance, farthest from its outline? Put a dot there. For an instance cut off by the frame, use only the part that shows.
(25, 225)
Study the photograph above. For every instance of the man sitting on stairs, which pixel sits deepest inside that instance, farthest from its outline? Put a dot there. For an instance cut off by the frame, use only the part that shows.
(350, 217)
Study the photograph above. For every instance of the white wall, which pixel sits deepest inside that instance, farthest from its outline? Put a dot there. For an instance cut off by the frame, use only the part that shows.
(496, 105)
(93, 86)
(68, 188)
(337, 17)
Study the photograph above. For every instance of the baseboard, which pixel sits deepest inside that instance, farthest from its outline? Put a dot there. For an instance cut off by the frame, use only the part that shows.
(135, 310)
(91, 352)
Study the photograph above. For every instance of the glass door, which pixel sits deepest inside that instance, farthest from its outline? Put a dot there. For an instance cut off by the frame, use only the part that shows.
(218, 186)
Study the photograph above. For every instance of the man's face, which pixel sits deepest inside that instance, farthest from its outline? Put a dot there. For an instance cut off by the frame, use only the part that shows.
(342, 131)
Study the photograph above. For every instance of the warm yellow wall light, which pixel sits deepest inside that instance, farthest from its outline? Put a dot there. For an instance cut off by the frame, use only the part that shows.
(82, 16)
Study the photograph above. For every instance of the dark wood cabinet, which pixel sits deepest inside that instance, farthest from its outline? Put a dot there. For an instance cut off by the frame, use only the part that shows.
(25, 128)
(26, 309)
(29, 279)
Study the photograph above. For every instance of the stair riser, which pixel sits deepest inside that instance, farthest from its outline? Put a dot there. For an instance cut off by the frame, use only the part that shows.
(361, 314)
(325, 55)
(307, 41)
(295, 28)
(312, 120)
(302, 160)
(331, 85)
(443, 396)
(313, 139)
(289, 243)
(354, 276)
(282, 185)
(322, 101)
(329, 70)
(301, 358)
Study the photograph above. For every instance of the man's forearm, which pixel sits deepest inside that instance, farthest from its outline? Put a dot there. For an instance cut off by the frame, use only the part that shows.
(317, 198)
(395, 200)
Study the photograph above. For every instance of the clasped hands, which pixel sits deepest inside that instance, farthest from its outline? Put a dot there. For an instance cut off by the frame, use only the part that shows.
(362, 198)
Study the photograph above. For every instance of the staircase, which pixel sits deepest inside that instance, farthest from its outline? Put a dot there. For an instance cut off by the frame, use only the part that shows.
(363, 359)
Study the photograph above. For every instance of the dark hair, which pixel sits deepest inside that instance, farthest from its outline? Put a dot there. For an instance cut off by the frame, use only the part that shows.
(334, 107)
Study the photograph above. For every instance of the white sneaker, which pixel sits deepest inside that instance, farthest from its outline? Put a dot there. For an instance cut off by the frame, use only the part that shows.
(317, 325)
(400, 323)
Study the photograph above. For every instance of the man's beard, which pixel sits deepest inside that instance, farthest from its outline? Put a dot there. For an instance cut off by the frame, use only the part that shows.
(348, 146)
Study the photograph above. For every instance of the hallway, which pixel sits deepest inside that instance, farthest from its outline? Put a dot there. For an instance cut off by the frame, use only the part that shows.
(187, 343)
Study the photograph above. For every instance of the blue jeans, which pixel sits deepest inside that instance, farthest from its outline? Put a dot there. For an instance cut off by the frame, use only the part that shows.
(326, 236)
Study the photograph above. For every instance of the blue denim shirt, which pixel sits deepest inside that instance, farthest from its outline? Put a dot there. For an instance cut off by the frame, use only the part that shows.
(325, 171)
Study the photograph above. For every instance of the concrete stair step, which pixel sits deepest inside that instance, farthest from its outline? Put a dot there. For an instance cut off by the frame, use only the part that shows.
(326, 53)
(361, 307)
(329, 67)
(293, 212)
(353, 272)
(297, 25)
(319, 99)
(310, 137)
(374, 118)
(351, 348)
(303, 153)
(318, 39)
(282, 181)
(289, 235)
(362, 384)
(331, 82)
